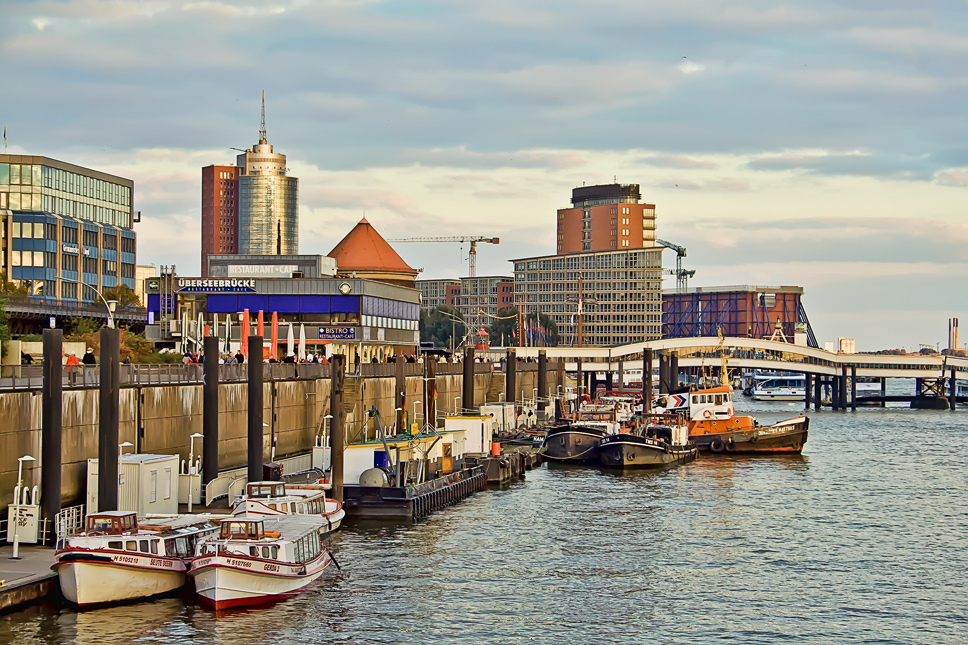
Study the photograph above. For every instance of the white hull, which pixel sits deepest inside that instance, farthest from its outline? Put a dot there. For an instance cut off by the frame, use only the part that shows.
(224, 581)
(797, 394)
(91, 583)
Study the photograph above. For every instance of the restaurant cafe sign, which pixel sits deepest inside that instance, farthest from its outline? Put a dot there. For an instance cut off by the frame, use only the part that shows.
(216, 285)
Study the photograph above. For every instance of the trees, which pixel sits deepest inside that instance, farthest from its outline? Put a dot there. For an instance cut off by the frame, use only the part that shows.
(440, 324)
(123, 295)
(503, 330)
(9, 288)
(543, 330)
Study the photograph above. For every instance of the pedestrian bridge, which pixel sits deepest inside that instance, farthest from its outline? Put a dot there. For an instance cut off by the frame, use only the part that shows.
(751, 353)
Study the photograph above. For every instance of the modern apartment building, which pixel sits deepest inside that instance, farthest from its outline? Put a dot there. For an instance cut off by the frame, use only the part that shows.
(606, 218)
(434, 293)
(63, 226)
(220, 212)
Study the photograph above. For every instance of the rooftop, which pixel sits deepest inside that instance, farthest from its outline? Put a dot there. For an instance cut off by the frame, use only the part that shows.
(363, 249)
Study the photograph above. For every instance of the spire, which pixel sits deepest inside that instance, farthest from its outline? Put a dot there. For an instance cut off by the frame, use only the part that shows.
(262, 130)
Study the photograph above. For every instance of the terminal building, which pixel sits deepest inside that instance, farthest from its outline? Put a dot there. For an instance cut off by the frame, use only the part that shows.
(64, 226)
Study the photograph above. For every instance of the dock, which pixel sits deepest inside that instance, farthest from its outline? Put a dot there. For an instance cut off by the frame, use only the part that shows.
(27, 579)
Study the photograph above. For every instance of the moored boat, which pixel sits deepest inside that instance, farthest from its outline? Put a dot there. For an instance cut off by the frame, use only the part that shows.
(778, 386)
(256, 559)
(115, 559)
(568, 443)
(664, 442)
(278, 498)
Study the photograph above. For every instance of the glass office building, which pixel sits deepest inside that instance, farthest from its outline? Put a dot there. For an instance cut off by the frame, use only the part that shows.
(268, 203)
(62, 224)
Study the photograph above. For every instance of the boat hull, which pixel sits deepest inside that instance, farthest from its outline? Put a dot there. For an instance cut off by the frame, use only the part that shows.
(86, 582)
(631, 452)
(224, 582)
(572, 446)
(786, 437)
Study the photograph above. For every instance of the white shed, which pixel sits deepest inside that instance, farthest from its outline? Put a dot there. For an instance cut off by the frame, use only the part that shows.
(147, 484)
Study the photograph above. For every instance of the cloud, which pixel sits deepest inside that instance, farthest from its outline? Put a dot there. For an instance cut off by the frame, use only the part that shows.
(851, 163)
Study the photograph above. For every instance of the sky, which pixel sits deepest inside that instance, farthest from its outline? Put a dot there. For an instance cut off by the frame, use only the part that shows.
(812, 143)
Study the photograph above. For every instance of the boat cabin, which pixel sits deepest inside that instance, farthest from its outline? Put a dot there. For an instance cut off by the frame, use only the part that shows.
(242, 529)
(113, 522)
(258, 490)
(711, 403)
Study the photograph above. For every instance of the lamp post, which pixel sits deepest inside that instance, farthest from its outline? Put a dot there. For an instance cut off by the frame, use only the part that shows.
(121, 447)
(456, 408)
(535, 391)
(111, 305)
(396, 417)
(17, 500)
(326, 426)
(191, 467)
(415, 404)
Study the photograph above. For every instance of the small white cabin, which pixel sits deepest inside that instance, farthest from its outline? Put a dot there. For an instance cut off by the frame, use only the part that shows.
(147, 484)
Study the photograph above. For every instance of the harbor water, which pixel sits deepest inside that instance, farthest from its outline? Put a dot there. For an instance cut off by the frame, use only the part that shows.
(862, 539)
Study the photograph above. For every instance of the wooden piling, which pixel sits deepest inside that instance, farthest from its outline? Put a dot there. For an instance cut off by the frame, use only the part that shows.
(255, 431)
(337, 438)
(109, 403)
(807, 390)
(647, 381)
(542, 382)
(210, 411)
(511, 376)
(467, 394)
(853, 388)
(51, 424)
(953, 388)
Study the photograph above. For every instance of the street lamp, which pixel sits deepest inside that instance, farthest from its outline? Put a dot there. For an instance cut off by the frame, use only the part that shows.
(456, 409)
(19, 496)
(535, 391)
(326, 425)
(396, 418)
(191, 466)
(110, 304)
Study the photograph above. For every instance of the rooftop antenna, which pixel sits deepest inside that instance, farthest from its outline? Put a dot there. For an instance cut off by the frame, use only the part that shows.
(262, 130)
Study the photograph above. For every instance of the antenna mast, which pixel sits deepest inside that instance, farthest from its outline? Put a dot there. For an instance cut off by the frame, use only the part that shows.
(262, 130)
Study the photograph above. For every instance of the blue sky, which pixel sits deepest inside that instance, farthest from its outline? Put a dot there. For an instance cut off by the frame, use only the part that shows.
(813, 143)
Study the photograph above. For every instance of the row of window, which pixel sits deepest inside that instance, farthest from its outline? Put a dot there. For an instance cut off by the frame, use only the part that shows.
(647, 258)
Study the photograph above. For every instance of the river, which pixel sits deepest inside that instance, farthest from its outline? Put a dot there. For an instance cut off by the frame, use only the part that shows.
(862, 539)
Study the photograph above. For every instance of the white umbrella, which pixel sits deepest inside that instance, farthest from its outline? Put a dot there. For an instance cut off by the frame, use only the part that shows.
(200, 331)
(215, 325)
(228, 334)
(302, 342)
(290, 342)
(184, 326)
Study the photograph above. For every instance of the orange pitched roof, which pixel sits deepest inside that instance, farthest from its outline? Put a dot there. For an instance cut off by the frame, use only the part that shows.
(363, 249)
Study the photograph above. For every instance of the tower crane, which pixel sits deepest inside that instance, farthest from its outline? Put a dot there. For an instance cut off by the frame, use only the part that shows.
(682, 275)
(471, 256)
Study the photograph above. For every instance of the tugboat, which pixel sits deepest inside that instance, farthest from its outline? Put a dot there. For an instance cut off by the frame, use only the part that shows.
(257, 559)
(116, 559)
(714, 426)
(278, 498)
(576, 441)
(663, 443)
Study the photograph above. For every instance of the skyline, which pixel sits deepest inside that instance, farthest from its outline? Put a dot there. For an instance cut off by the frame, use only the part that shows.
(799, 144)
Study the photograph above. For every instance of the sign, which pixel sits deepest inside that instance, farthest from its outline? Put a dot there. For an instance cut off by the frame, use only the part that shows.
(366, 333)
(381, 334)
(262, 270)
(26, 520)
(215, 285)
(678, 401)
(337, 333)
(73, 250)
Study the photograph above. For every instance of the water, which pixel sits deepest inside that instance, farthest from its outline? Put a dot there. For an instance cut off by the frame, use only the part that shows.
(860, 540)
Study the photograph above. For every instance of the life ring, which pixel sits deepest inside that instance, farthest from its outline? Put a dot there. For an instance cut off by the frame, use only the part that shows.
(716, 445)
(707, 414)
(730, 411)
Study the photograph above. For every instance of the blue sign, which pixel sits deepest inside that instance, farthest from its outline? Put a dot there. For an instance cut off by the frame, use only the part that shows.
(216, 285)
(337, 333)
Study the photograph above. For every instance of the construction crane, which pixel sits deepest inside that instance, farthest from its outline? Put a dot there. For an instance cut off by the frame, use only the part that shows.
(682, 275)
(471, 256)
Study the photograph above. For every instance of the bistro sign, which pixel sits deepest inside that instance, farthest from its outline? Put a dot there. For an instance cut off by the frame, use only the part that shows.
(216, 285)
(337, 333)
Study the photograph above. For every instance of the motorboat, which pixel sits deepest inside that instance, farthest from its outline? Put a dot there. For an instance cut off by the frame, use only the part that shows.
(256, 559)
(279, 498)
(715, 427)
(663, 441)
(778, 386)
(117, 559)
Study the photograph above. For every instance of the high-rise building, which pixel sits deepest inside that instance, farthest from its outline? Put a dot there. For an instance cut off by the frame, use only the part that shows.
(606, 218)
(251, 208)
(63, 226)
(434, 293)
(954, 341)
(220, 212)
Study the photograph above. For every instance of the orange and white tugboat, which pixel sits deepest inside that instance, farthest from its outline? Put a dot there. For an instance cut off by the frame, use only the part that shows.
(256, 559)
(662, 441)
(715, 427)
(278, 498)
(115, 559)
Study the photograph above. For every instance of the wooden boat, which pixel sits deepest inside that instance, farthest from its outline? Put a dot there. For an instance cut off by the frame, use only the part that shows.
(663, 442)
(116, 559)
(715, 427)
(256, 559)
(569, 443)
(278, 498)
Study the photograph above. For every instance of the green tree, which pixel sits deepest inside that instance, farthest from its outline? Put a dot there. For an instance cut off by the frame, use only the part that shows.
(4, 328)
(503, 330)
(440, 324)
(9, 288)
(123, 295)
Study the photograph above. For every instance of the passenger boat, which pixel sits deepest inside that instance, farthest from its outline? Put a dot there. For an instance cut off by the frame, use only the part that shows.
(715, 427)
(664, 441)
(778, 386)
(116, 559)
(256, 559)
(278, 498)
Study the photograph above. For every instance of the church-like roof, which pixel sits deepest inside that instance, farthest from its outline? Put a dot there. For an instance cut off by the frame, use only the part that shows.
(363, 249)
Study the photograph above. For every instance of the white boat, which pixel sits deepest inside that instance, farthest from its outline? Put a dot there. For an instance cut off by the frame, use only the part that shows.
(278, 498)
(116, 559)
(256, 559)
(782, 386)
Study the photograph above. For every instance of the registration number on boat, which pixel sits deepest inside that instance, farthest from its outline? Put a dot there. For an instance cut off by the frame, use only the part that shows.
(240, 563)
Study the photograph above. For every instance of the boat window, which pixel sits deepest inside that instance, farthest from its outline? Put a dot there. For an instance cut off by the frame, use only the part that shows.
(170, 547)
(143, 546)
(115, 545)
(254, 551)
(154, 547)
(302, 508)
(265, 552)
(273, 507)
(128, 522)
(719, 399)
(131, 545)
(285, 508)
(181, 548)
(274, 552)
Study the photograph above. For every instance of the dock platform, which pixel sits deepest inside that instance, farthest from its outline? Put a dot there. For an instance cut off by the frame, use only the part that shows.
(26, 579)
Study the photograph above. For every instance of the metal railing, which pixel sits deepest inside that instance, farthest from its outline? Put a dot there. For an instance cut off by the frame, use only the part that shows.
(51, 307)
(68, 522)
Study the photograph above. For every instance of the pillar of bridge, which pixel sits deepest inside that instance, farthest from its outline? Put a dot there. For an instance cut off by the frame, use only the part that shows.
(673, 372)
(818, 393)
(663, 373)
(853, 389)
(883, 391)
(953, 391)
(834, 393)
(807, 391)
(918, 387)
(621, 375)
(843, 387)
(609, 384)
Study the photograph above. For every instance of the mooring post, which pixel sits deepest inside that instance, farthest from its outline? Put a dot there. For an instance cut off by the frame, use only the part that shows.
(431, 418)
(579, 383)
(621, 374)
(674, 371)
(467, 394)
(953, 388)
(561, 386)
(853, 388)
(542, 383)
(400, 393)
(109, 403)
(647, 382)
(210, 411)
(337, 433)
(883, 391)
(511, 376)
(835, 392)
(818, 393)
(256, 454)
(663, 373)
(51, 425)
(807, 390)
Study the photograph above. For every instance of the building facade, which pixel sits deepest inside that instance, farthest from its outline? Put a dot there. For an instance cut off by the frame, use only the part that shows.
(738, 311)
(606, 218)
(434, 293)
(220, 212)
(63, 226)
(621, 294)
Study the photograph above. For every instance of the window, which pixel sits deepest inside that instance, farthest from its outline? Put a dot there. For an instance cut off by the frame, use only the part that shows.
(154, 486)
(144, 546)
(131, 545)
(167, 483)
(115, 545)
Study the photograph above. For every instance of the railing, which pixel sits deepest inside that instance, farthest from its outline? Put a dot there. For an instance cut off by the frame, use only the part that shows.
(51, 307)
(68, 522)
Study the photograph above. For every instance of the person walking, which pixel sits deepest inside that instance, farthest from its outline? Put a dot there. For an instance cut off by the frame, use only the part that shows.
(73, 364)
